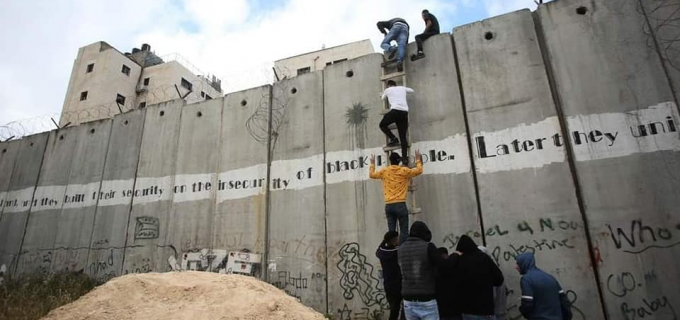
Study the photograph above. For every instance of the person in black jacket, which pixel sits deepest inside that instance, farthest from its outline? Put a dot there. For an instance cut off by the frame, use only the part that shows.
(387, 253)
(419, 260)
(448, 295)
(398, 30)
(476, 276)
(431, 29)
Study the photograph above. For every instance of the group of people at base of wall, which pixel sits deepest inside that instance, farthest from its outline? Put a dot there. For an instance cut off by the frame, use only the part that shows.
(432, 284)
(465, 285)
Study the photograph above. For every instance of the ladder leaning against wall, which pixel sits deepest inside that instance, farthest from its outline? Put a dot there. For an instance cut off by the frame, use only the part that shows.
(389, 72)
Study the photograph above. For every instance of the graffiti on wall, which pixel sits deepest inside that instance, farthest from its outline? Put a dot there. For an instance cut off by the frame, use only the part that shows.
(635, 297)
(358, 278)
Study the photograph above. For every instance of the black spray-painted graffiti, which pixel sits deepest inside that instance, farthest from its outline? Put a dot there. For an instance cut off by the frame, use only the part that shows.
(642, 237)
(622, 284)
(147, 228)
(358, 279)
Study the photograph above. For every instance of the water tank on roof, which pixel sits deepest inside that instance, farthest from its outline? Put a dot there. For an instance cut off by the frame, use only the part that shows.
(135, 50)
(146, 47)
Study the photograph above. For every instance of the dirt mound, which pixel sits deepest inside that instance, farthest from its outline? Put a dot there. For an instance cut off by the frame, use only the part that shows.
(185, 295)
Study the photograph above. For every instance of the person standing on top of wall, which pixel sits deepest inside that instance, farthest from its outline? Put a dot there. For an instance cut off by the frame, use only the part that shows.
(391, 274)
(396, 29)
(542, 296)
(395, 180)
(396, 95)
(431, 29)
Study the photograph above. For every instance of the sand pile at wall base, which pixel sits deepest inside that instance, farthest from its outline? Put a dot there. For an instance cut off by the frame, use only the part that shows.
(185, 295)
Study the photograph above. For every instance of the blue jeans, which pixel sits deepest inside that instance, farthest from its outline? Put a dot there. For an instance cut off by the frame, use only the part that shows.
(473, 317)
(416, 310)
(400, 34)
(394, 212)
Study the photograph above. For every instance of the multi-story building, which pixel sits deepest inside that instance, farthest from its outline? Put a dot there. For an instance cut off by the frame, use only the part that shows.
(317, 60)
(105, 82)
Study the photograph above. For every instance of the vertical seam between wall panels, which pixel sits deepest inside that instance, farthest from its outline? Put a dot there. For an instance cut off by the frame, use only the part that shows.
(325, 186)
(96, 204)
(134, 185)
(267, 208)
(658, 52)
(469, 139)
(545, 54)
(28, 214)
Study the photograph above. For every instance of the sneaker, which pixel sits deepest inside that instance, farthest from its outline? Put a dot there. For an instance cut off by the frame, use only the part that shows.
(400, 67)
(393, 53)
(420, 55)
(393, 143)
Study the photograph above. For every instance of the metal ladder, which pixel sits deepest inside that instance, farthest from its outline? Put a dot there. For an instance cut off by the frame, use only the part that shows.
(389, 72)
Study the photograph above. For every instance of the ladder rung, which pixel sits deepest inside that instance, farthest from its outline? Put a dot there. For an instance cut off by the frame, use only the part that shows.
(392, 76)
(415, 211)
(412, 188)
(391, 148)
(392, 126)
(384, 111)
(389, 63)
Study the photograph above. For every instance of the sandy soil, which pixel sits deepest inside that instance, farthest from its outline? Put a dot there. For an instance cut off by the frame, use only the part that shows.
(185, 295)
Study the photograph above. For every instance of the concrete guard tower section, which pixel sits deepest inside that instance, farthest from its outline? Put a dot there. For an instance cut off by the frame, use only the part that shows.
(526, 195)
(603, 67)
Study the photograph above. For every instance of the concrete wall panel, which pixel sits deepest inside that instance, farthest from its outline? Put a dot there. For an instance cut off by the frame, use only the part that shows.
(297, 242)
(20, 162)
(445, 192)
(527, 204)
(613, 89)
(241, 201)
(190, 227)
(107, 245)
(75, 221)
(147, 246)
(37, 248)
(355, 205)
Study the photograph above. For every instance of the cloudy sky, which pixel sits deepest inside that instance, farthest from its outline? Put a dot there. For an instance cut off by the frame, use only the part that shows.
(237, 40)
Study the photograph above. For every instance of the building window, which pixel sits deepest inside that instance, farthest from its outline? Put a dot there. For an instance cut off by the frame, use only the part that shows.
(186, 84)
(202, 94)
(341, 60)
(303, 70)
(329, 63)
(120, 99)
(207, 97)
(90, 67)
(146, 81)
(126, 70)
(83, 96)
(142, 105)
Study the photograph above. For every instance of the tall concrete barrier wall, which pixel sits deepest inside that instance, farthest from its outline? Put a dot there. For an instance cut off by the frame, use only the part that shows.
(297, 220)
(107, 244)
(355, 220)
(553, 132)
(621, 120)
(76, 218)
(43, 217)
(517, 140)
(22, 177)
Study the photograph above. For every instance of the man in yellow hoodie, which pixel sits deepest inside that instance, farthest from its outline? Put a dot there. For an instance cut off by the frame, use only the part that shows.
(395, 180)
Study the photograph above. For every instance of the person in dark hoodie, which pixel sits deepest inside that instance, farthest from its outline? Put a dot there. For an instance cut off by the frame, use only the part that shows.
(387, 253)
(542, 296)
(476, 275)
(447, 294)
(419, 260)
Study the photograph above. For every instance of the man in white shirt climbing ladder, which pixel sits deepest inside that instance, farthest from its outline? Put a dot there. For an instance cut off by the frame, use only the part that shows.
(396, 95)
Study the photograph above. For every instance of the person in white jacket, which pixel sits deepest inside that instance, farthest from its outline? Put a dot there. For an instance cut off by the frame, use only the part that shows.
(396, 95)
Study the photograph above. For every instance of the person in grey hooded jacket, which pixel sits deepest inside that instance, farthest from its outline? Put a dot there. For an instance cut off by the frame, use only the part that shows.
(542, 296)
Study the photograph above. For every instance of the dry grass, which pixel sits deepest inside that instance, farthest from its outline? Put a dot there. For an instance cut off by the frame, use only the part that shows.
(33, 296)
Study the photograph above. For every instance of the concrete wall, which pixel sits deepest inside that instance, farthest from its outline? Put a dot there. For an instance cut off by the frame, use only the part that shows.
(554, 132)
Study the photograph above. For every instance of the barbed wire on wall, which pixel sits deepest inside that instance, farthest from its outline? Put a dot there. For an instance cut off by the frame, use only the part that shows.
(663, 17)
